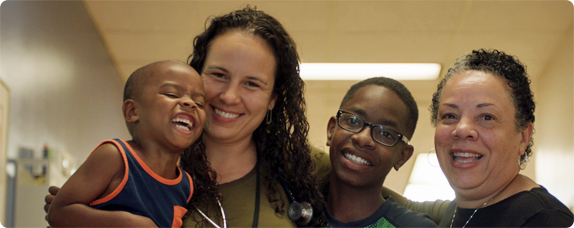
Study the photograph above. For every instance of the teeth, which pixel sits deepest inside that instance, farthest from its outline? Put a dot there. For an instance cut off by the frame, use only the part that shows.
(225, 114)
(355, 159)
(465, 157)
(182, 122)
(183, 127)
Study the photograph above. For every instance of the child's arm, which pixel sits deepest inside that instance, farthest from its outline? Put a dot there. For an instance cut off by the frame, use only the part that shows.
(71, 207)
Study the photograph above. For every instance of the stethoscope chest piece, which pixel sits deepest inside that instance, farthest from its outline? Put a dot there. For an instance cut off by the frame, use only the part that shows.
(300, 212)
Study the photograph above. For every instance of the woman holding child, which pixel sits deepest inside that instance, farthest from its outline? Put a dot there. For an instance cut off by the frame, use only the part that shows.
(255, 136)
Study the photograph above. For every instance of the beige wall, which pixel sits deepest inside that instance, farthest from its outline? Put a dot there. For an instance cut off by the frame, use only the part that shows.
(4, 105)
(64, 89)
(554, 125)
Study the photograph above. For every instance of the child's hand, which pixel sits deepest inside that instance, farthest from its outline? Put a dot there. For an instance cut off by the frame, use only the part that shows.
(50, 197)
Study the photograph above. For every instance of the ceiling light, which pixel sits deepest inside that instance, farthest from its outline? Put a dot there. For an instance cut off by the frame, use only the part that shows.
(360, 71)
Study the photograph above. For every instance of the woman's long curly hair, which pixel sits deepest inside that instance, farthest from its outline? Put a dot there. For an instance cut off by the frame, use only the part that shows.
(283, 153)
(505, 66)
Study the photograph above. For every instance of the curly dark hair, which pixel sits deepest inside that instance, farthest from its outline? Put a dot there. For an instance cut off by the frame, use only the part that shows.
(399, 89)
(505, 66)
(283, 152)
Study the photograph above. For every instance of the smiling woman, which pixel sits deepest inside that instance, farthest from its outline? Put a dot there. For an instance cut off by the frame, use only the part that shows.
(483, 111)
(256, 132)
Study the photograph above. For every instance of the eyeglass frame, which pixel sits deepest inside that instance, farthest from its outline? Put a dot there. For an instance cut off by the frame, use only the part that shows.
(365, 123)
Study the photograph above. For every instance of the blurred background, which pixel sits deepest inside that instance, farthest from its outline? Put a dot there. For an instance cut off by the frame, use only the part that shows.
(63, 65)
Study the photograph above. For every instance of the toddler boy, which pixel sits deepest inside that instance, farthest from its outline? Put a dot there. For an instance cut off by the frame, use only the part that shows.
(137, 183)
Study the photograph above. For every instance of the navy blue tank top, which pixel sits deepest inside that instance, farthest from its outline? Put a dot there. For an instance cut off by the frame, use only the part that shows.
(143, 192)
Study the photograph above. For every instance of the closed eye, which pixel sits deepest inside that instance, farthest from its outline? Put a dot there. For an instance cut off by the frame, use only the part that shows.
(171, 95)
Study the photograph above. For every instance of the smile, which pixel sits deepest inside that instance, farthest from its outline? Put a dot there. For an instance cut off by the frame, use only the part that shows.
(466, 157)
(225, 114)
(356, 159)
(183, 124)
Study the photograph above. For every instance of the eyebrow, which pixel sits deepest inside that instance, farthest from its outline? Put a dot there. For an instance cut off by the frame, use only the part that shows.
(481, 105)
(248, 77)
(170, 84)
(217, 68)
(383, 120)
(484, 105)
(179, 87)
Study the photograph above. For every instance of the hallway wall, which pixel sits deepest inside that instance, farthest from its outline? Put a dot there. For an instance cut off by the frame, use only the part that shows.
(64, 89)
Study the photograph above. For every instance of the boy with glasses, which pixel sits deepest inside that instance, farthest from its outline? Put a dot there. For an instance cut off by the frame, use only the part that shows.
(368, 137)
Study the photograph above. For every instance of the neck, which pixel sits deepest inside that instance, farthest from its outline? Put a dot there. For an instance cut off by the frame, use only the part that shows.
(518, 184)
(230, 161)
(161, 161)
(351, 203)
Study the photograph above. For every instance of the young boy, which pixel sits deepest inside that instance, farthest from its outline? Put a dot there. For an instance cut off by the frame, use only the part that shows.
(368, 137)
(138, 183)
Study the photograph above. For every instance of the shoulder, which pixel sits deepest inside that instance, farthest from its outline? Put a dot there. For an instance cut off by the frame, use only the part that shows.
(106, 152)
(542, 208)
(108, 155)
(403, 217)
(319, 156)
(321, 166)
(538, 198)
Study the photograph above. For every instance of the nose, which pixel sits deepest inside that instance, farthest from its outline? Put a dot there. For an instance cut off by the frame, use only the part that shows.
(188, 102)
(465, 129)
(364, 138)
(230, 95)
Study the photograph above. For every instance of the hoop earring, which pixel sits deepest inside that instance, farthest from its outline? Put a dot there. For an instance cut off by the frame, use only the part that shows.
(428, 158)
(522, 162)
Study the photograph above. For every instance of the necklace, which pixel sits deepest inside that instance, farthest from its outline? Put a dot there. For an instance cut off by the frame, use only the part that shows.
(211, 221)
(481, 206)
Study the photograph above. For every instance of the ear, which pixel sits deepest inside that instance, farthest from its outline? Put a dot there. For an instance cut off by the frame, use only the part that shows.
(271, 104)
(331, 129)
(129, 109)
(406, 153)
(526, 135)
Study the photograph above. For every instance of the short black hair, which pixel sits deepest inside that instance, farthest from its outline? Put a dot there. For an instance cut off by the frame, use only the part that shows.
(139, 78)
(399, 89)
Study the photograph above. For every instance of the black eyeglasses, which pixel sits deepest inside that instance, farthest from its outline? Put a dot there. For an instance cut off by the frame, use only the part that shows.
(381, 134)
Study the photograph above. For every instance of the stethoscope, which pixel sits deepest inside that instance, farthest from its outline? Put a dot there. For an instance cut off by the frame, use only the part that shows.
(211, 221)
(301, 213)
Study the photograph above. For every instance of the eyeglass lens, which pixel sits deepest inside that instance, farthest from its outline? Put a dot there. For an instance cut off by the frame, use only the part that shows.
(356, 124)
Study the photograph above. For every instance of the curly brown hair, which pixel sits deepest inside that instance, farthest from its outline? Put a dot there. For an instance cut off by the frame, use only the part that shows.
(283, 152)
(507, 67)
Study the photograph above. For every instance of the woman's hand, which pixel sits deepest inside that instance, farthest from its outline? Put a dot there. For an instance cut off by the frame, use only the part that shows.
(50, 197)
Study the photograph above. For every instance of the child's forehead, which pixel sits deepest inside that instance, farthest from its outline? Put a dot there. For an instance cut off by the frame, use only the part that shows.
(377, 103)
